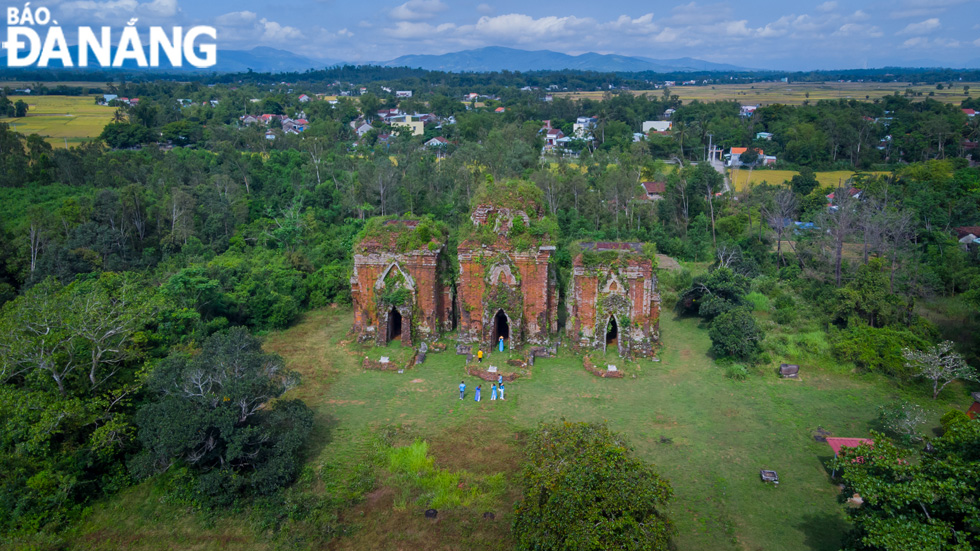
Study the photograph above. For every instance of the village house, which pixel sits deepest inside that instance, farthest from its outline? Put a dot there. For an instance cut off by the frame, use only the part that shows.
(397, 287)
(654, 191)
(416, 127)
(657, 126)
(734, 158)
(612, 299)
(303, 98)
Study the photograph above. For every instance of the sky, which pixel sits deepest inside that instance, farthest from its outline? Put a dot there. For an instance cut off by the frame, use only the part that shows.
(766, 34)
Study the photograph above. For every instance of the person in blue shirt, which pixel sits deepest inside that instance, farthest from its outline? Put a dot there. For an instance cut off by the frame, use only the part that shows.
(477, 399)
(501, 341)
(501, 391)
(462, 389)
(500, 379)
(493, 391)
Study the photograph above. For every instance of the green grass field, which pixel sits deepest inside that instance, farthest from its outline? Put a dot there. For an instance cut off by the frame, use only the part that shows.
(795, 93)
(707, 434)
(61, 119)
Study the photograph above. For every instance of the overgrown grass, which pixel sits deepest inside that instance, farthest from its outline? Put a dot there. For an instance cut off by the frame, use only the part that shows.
(422, 483)
(705, 432)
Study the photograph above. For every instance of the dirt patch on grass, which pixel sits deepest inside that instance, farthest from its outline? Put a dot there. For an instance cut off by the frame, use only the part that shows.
(482, 447)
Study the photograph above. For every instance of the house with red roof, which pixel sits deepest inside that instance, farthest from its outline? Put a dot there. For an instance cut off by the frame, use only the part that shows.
(654, 190)
(969, 112)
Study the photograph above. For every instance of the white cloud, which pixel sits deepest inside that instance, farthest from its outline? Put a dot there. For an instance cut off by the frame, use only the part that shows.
(236, 18)
(827, 6)
(415, 10)
(915, 42)
(858, 30)
(625, 24)
(275, 32)
(524, 28)
(923, 27)
(976, 42)
(411, 30)
(485, 9)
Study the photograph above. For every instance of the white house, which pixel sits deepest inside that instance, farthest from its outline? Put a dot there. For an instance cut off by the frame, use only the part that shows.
(763, 136)
(657, 126)
(403, 93)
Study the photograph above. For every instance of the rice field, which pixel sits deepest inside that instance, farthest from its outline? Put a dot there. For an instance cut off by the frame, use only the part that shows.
(795, 93)
(63, 120)
(742, 179)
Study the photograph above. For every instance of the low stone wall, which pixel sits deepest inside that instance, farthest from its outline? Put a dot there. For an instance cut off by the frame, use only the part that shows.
(477, 371)
(595, 370)
(376, 365)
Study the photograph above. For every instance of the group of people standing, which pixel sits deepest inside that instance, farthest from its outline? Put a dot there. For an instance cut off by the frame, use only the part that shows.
(495, 389)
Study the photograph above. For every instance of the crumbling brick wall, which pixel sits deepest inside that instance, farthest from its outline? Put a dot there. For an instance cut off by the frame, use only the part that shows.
(624, 290)
(378, 270)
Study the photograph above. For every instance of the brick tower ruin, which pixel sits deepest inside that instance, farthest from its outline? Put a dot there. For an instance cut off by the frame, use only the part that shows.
(398, 287)
(506, 287)
(613, 300)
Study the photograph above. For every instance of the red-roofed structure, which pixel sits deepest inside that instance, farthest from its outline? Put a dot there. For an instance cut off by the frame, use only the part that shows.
(837, 443)
(654, 190)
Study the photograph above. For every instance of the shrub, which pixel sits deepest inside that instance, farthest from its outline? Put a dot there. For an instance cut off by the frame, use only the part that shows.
(759, 301)
(736, 372)
(735, 334)
(953, 417)
(584, 490)
(876, 349)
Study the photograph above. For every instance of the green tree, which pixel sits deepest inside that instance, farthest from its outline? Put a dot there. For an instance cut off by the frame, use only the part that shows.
(68, 373)
(584, 489)
(217, 413)
(714, 293)
(928, 503)
(20, 108)
(735, 334)
(804, 182)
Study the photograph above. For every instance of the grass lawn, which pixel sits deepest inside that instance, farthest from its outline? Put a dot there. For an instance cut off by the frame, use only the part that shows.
(707, 434)
(59, 118)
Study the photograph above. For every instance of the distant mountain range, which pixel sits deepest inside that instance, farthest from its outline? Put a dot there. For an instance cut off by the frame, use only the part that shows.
(263, 59)
(496, 58)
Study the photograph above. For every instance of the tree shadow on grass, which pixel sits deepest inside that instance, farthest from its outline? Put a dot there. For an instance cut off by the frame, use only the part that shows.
(823, 532)
(321, 435)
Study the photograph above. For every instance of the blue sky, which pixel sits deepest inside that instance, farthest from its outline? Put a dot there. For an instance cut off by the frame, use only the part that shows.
(761, 33)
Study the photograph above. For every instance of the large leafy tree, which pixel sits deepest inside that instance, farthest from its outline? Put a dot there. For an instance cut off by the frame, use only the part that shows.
(714, 293)
(929, 504)
(217, 412)
(68, 371)
(584, 490)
